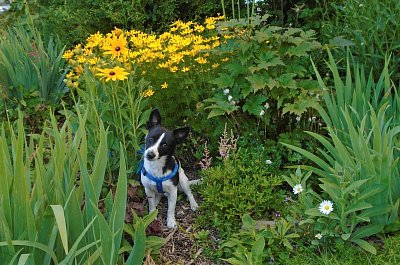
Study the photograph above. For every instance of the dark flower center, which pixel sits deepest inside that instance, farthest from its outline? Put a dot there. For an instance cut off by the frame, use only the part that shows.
(117, 48)
(111, 73)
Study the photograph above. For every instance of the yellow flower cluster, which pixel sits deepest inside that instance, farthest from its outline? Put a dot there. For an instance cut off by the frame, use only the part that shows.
(114, 55)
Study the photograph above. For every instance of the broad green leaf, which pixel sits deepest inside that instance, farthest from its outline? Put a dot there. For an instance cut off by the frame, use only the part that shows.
(257, 82)
(357, 207)
(364, 245)
(223, 81)
(368, 230)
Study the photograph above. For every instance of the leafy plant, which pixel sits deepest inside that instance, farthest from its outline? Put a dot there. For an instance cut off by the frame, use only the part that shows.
(121, 107)
(258, 245)
(243, 183)
(153, 243)
(268, 76)
(65, 225)
(30, 68)
(358, 164)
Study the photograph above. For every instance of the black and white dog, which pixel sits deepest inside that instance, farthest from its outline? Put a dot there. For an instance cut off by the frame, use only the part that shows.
(162, 172)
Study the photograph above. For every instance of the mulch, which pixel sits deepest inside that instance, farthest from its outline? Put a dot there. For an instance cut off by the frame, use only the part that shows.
(180, 245)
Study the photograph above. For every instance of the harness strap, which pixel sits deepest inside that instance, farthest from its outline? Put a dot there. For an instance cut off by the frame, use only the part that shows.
(158, 180)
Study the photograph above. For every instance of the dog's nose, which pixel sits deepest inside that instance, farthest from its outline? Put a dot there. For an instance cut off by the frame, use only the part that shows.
(150, 155)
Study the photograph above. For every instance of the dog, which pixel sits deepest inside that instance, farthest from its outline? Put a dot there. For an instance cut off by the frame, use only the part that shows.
(162, 173)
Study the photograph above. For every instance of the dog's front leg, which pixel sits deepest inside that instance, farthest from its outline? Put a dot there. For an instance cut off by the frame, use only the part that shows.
(172, 196)
(151, 199)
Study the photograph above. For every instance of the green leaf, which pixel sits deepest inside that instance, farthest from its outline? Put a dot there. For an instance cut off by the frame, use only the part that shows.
(357, 207)
(62, 228)
(137, 254)
(223, 81)
(257, 82)
(254, 105)
(368, 230)
(364, 245)
(286, 80)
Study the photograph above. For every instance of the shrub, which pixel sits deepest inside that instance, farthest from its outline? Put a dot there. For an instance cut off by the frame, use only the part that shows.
(177, 63)
(241, 184)
(266, 76)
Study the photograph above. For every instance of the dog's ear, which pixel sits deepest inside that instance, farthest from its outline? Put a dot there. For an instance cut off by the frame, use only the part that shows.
(155, 119)
(181, 133)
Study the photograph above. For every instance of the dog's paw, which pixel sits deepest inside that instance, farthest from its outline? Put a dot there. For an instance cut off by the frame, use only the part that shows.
(194, 206)
(171, 223)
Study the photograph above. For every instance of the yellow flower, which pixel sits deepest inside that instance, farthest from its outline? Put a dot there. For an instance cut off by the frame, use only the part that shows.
(201, 60)
(114, 74)
(117, 31)
(116, 47)
(173, 69)
(68, 55)
(199, 28)
(165, 85)
(215, 65)
(148, 93)
(225, 59)
(185, 69)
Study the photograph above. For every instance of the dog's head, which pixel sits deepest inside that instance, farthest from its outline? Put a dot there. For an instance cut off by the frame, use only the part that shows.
(161, 142)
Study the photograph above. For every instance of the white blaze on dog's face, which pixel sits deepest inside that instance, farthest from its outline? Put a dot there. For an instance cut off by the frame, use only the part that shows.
(161, 142)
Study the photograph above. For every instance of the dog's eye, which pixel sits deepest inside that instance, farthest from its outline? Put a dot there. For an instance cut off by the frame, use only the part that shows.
(164, 145)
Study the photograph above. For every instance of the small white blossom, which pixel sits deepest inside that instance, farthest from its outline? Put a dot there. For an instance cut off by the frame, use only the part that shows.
(262, 112)
(326, 207)
(266, 105)
(268, 162)
(230, 98)
(318, 236)
(226, 91)
(298, 118)
(232, 102)
(313, 118)
(297, 189)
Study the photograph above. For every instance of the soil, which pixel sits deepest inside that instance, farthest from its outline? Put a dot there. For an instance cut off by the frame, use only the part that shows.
(180, 246)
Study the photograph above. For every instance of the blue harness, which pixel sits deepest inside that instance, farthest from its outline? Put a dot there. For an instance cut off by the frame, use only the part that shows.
(157, 180)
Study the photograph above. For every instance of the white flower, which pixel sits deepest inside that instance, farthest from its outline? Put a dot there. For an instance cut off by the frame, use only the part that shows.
(326, 207)
(298, 118)
(226, 91)
(297, 189)
(318, 236)
(268, 162)
(266, 105)
(262, 112)
(230, 98)
(313, 118)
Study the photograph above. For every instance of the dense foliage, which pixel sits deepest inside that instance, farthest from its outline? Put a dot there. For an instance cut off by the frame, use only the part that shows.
(304, 95)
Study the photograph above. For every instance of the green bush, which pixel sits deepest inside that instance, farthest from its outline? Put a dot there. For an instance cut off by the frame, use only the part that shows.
(267, 75)
(243, 183)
